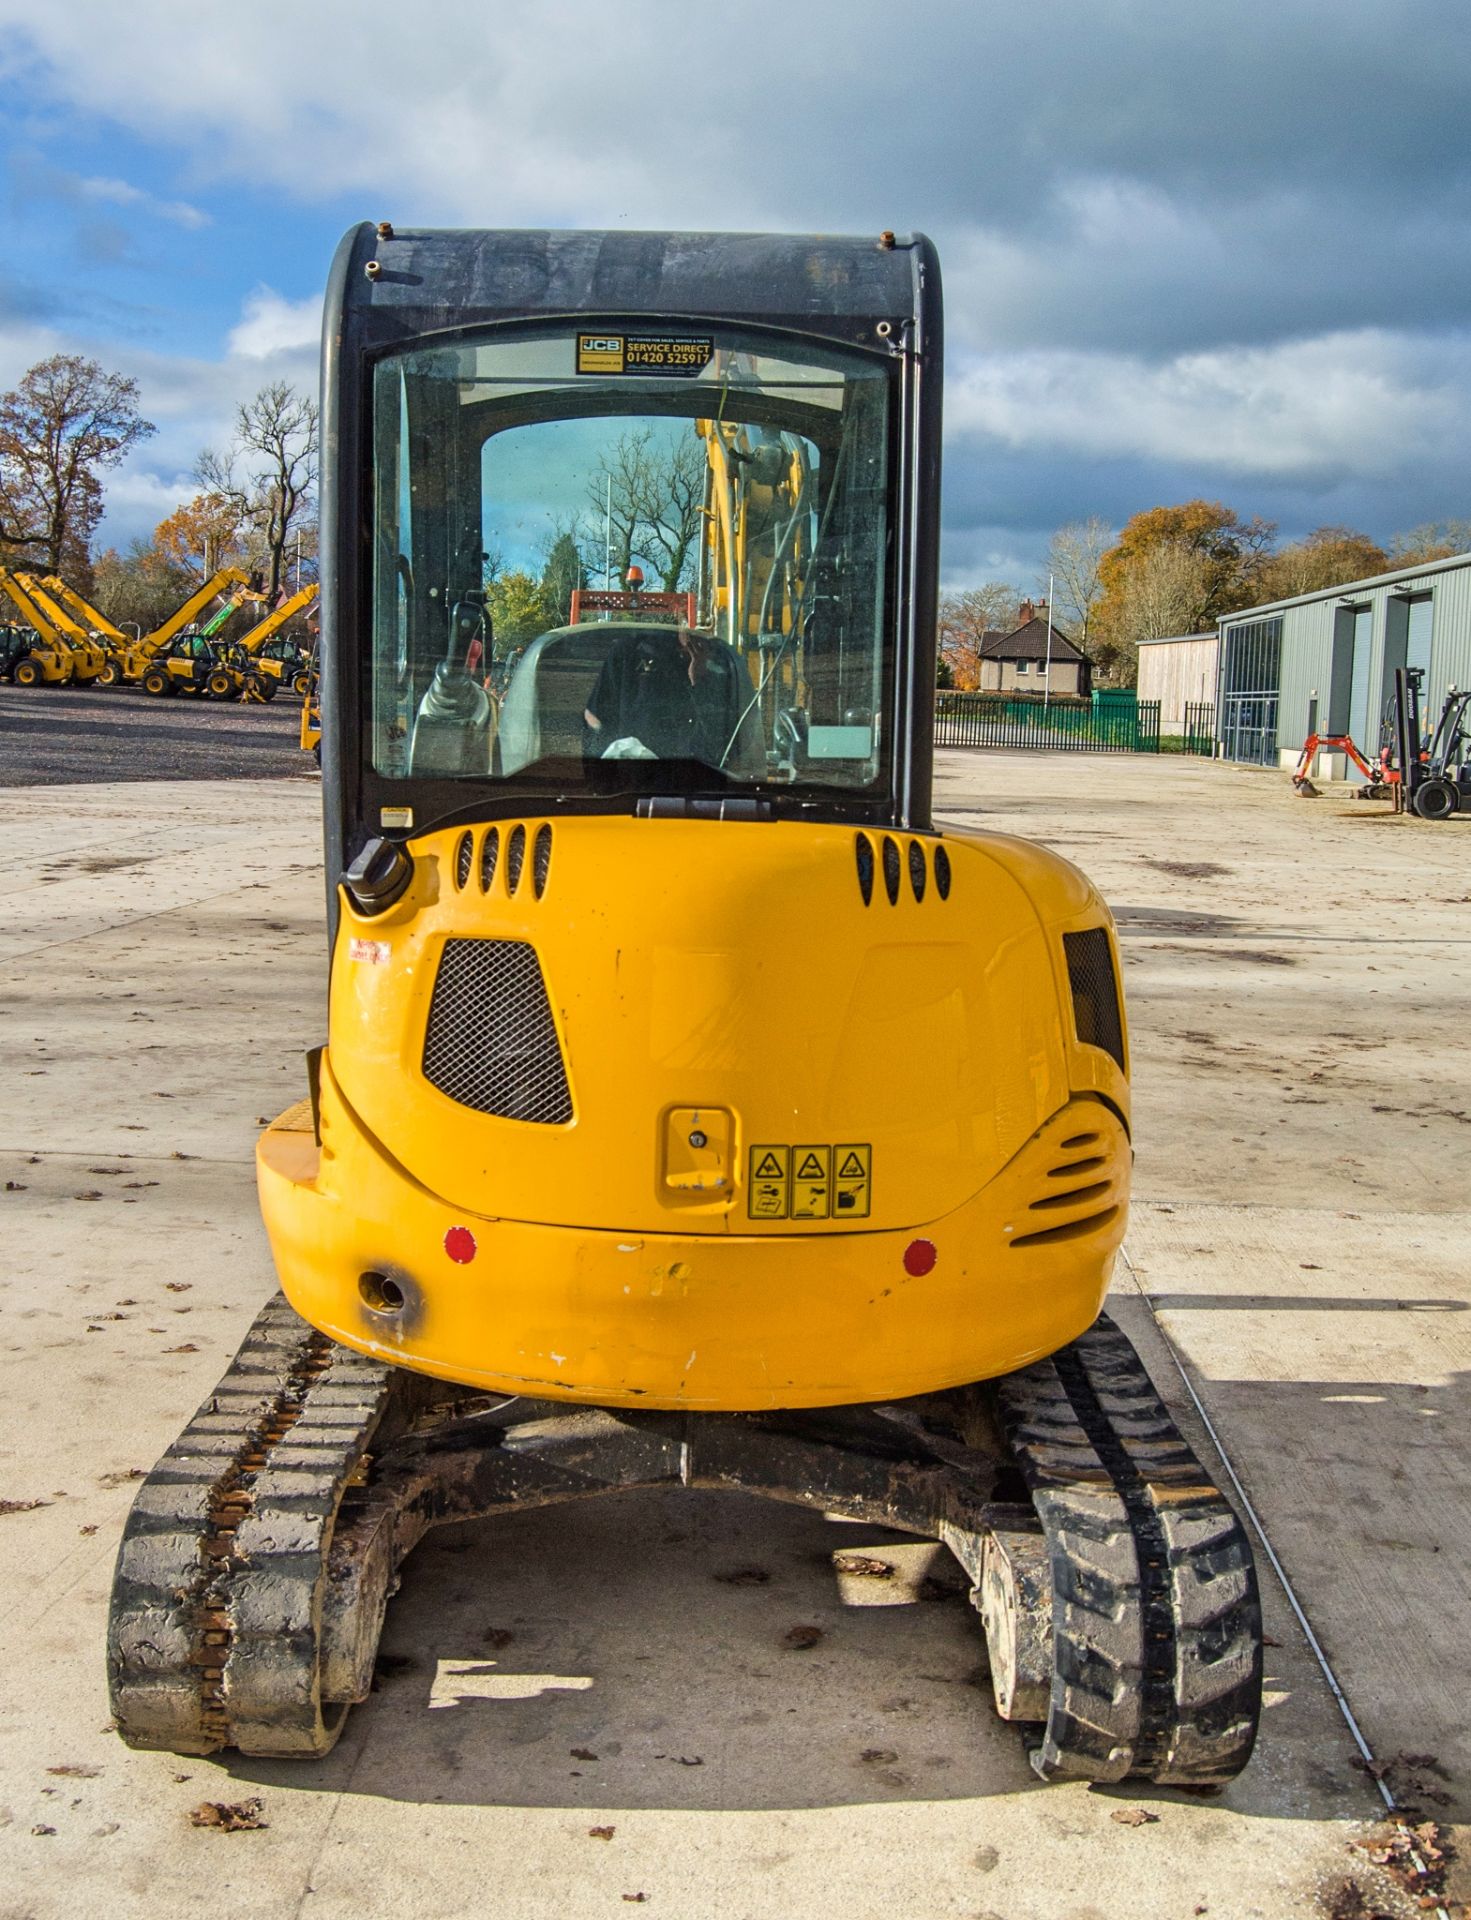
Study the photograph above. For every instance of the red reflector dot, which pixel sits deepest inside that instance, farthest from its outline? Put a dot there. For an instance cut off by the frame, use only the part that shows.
(459, 1244)
(919, 1257)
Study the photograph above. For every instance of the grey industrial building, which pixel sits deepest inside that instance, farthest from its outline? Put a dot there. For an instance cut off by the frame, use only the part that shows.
(1324, 662)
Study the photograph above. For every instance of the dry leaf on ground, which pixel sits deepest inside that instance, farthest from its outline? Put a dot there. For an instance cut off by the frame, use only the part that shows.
(229, 1816)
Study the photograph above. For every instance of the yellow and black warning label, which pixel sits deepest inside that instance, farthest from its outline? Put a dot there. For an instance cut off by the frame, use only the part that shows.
(810, 1181)
(767, 1195)
(679, 356)
(852, 1181)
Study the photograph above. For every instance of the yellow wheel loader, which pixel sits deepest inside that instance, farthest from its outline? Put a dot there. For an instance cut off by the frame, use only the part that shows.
(693, 1110)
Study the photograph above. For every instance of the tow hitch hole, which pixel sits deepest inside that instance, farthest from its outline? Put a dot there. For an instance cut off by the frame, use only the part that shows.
(380, 1293)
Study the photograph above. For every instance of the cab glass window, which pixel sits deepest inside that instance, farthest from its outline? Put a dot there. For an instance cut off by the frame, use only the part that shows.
(608, 560)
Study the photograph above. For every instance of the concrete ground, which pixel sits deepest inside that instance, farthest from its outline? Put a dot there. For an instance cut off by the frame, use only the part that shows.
(582, 1711)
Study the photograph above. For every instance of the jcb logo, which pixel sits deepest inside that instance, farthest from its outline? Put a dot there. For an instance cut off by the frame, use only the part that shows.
(597, 343)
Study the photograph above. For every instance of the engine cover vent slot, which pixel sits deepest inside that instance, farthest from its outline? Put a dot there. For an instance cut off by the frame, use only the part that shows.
(1069, 1230)
(464, 855)
(942, 873)
(515, 858)
(891, 871)
(863, 848)
(491, 1042)
(541, 859)
(1096, 1013)
(918, 875)
(490, 853)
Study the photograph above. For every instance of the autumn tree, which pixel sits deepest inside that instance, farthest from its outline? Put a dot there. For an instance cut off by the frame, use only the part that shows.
(1224, 574)
(204, 534)
(1075, 567)
(267, 474)
(65, 424)
(1326, 557)
(518, 612)
(965, 620)
(1436, 540)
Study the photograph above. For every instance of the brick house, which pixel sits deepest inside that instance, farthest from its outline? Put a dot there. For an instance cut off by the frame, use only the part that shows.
(1018, 662)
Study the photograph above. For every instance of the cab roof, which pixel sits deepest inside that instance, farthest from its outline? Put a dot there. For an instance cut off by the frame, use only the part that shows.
(390, 284)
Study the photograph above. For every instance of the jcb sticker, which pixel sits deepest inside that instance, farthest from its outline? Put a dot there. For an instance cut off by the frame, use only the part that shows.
(810, 1181)
(373, 953)
(767, 1193)
(667, 355)
(600, 353)
(852, 1181)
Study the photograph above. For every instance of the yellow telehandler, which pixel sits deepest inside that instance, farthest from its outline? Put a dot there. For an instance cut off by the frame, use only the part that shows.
(173, 658)
(50, 658)
(261, 662)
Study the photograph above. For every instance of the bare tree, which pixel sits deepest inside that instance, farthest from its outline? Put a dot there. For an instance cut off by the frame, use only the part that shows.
(648, 494)
(268, 472)
(672, 508)
(616, 494)
(1165, 593)
(1074, 560)
(66, 423)
(1436, 540)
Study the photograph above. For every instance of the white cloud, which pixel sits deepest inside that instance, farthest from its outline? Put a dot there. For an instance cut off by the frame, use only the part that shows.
(1369, 401)
(271, 324)
(122, 193)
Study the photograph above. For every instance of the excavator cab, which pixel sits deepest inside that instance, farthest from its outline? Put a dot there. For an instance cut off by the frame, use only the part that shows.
(692, 1109)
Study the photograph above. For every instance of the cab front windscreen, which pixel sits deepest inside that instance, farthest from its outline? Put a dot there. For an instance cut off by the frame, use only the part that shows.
(653, 559)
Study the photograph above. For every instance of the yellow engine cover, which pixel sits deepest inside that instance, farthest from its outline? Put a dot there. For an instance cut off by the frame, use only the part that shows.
(710, 1114)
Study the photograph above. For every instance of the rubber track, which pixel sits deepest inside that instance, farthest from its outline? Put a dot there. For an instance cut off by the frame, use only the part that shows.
(212, 1635)
(1156, 1616)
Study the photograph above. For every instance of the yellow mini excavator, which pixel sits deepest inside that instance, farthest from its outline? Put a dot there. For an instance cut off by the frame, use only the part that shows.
(693, 1111)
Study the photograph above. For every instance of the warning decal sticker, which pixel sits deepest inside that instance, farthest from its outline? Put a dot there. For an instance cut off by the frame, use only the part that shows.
(767, 1197)
(667, 355)
(810, 1181)
(852, 1181)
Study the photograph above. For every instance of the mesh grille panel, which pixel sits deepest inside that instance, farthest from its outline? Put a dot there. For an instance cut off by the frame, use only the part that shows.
(1095, 991)
(491, 1043)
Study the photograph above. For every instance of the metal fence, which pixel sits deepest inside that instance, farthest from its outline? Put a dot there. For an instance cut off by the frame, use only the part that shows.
(1200, 727)
(981, 720)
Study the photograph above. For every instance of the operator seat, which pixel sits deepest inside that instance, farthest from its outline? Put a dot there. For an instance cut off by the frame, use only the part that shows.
(541, 716)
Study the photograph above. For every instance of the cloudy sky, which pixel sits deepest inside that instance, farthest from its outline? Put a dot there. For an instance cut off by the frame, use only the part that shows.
(1190, 247)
